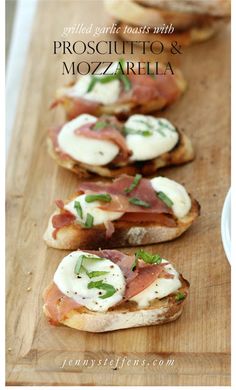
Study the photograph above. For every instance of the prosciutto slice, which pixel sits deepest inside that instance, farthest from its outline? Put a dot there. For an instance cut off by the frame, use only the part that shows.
(109, 133)
(65, 218)
(146, 88)
(139, 279)
(77, 107)
(120, 200)
(57, 304)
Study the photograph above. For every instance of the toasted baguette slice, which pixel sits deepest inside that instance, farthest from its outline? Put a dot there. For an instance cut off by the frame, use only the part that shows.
(126, 233)
(127, 315)
(182, 153)
(120, 109)
(136, 13)
(220, 8)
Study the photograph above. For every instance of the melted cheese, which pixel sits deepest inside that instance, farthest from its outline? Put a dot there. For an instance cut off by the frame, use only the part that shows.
(107, 93)
(160, 288)
(77, 288)
(100, 216)
(162, 137)
(84, 149)
(175, 192)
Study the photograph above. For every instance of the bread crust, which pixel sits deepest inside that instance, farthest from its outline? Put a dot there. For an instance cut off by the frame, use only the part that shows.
(182, 153)
(126, 315)
(140, 13)
(126, 233)
(220, 8)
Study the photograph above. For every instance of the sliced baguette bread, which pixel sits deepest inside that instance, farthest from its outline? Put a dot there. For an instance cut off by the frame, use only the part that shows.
(124, 296)
(182, 153)
(126, 233)
(127, 315)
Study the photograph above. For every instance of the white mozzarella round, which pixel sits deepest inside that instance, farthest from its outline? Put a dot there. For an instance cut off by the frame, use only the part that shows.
(77, 287)
(160, 288)
(162, 138)
(175, 192)
(107, 93)
(84, 149)
(100, 216)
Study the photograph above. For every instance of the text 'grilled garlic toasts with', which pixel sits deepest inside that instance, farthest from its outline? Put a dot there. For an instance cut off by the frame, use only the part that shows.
(129, 211)
(108, 147)
(121, 91)
(105, 290)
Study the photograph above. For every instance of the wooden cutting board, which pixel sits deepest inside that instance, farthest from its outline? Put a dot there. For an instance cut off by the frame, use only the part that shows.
(194, 350)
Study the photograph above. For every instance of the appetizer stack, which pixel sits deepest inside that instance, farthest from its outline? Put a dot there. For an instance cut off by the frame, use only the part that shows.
(109, 132)
(185, 21)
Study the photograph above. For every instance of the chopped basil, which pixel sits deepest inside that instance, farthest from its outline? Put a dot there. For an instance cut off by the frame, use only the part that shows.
(101, 197)
(161, 131)
(179, 296)
(144, 133)
(78, 209)
(110, 290)
(103, 80)
(94, 274)
(92, 258)
(106, 78)
(89, 221)
(100, 125)
(119, 75)
(78, 265)
(92, 83)
(134, 183)
(147, 257)
(139, 202)
(126, 82)
(161, 195)
(134, 265)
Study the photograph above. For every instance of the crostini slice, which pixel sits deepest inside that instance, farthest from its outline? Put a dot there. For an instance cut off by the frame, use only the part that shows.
(121, 94)
(106, 290)
(107, 147)
(130, 211)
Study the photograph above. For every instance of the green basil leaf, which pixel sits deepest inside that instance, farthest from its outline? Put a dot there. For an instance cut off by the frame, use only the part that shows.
(122, 65)
(134, 265)
(139, 202)
(78, 265)
(89, 221)
(161, 195)
(78, 209)
(110, 290)
(147, 257)
(100, 125)
(104, 79)
(126, 82)
(134, 183)
(180, 296)
(144, 133)
(100, 197)
(94, 274)
(92, 83)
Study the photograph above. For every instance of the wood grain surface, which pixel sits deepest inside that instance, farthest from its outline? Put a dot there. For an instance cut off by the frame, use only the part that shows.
(199, 342)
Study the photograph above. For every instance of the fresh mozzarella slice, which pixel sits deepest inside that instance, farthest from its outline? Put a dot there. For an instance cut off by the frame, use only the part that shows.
(149, 137)
(92, 208)
(84, 149)
(105, 93)
(175, 192)
(77, 286)
(160, 288)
